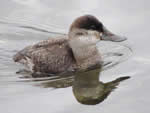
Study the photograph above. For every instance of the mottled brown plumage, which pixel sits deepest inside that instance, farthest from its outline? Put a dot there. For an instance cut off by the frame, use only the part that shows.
(74, 51)
(49, 56)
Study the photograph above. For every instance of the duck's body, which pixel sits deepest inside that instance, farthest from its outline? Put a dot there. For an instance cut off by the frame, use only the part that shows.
(49, 56)
(56, 56)
(76, 50)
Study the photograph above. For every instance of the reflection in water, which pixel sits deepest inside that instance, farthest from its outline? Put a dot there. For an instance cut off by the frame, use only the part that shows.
(89, 90)
(86, 86)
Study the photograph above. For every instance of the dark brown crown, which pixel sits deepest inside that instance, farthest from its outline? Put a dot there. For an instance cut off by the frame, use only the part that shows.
(87, 22)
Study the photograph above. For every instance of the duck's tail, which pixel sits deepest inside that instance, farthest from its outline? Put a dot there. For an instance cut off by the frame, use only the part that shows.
(17, 57)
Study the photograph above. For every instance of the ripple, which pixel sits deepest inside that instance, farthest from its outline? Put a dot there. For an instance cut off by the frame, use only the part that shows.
(19, 26)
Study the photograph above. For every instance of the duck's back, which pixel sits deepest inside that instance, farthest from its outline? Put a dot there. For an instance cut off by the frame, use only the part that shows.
(49, 56)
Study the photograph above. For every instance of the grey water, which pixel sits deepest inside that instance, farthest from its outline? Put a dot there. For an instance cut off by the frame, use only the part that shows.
(25, 22)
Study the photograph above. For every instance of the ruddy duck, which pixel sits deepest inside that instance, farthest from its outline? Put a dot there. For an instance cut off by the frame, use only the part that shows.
(71, 52)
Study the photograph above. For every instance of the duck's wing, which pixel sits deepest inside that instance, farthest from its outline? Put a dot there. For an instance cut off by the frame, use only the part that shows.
(51, 42)
(52, 55)
(27, 51)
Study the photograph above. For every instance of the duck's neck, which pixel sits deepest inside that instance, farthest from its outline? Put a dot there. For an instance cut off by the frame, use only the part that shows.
(89, 78)
(86, 55)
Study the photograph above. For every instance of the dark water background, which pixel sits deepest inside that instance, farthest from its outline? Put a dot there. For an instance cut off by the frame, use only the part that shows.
(24, 22)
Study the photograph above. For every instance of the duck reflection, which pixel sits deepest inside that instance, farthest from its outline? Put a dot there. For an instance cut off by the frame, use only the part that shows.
(87, 87)
(89, 90)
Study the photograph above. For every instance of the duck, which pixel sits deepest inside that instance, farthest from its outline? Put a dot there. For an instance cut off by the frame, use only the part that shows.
(68, 53)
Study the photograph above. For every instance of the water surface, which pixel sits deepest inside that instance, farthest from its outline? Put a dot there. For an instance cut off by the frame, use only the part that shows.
(25, 22)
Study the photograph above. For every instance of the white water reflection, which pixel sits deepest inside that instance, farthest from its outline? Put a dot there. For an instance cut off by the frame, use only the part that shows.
(142, 60)
(1, 41)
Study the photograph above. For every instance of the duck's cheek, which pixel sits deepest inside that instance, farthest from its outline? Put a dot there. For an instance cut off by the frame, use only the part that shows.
(92, 40)
(87, 39)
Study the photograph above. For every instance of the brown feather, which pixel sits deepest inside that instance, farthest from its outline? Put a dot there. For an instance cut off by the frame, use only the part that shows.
(49, 56)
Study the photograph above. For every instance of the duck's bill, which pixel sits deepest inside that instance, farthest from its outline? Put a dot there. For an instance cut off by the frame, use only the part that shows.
(107, 35)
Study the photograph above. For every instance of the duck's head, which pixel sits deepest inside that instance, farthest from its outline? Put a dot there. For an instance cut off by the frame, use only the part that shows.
(88, 25)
